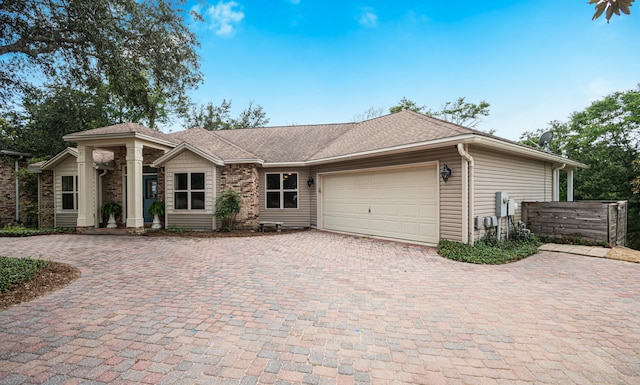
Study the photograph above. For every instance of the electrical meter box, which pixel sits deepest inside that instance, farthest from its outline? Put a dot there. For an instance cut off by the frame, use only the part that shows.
(511, 209)
(477, 223)
(502, 200)
(490, 222)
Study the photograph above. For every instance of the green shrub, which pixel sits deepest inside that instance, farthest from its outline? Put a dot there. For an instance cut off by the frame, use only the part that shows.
(490, 251)
(227, 207)
(17, 270)
(176, 229)
(16, 230)
(156, 208)
(111, 208)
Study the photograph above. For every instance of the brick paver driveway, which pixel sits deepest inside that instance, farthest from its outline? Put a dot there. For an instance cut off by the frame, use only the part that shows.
(318, 308)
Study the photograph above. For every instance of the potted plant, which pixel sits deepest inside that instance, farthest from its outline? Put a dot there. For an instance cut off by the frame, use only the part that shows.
(227, 206)
(156, 209)
(111, 209)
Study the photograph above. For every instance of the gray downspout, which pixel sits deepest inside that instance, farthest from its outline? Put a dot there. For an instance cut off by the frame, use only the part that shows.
(17, 190)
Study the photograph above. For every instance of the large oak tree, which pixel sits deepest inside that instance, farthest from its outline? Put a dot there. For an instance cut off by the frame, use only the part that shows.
(143, 50)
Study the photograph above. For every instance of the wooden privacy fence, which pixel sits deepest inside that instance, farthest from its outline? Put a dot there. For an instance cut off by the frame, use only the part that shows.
(591, 221)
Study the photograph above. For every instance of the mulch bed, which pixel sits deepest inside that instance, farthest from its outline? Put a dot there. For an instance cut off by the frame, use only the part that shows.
(50, 278)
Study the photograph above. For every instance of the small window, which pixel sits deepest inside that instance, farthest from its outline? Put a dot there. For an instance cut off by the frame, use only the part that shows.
(189, 191)
(69, 192)
(282, 190)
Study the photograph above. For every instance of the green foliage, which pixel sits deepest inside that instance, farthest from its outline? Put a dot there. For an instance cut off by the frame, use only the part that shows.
(109, 208)
(462, 112)
(228, 205)
(176, 229)
(156, 208)
(143, 50)
(635, 183)
(16, 230)
(490, 251)
(606, 137)
(52, 112)
(14, 271)
(458, 112)
(212, 117)
(407, 104)
(611, 7)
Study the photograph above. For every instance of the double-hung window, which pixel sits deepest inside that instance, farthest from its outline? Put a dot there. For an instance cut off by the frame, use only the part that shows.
(69, 192)
(282, 190)
(189, 191)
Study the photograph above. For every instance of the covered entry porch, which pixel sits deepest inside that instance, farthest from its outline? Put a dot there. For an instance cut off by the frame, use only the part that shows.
(129, 181)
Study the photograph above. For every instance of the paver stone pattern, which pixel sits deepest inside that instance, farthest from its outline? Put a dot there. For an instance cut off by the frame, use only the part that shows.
(318, 308)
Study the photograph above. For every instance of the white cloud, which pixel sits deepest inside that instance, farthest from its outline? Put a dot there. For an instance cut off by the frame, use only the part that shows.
(223, 16)
(368, 17)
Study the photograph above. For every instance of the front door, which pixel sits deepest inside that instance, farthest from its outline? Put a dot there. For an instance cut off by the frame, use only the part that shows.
(149, 194)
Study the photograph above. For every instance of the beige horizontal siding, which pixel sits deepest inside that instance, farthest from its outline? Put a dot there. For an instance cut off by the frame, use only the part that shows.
(69, 167)
(191, 221)
(187, 162)
(66, 219)
(523, 179)
(299, 217)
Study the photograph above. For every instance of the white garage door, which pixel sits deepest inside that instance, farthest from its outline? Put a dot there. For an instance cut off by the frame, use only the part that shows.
(391, 203)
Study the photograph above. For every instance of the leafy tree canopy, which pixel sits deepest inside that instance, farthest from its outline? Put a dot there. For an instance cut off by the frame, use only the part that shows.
(53, 112)
(143, 50)
(459, 111)
(606, 137)
(212, 117)
(611, 7)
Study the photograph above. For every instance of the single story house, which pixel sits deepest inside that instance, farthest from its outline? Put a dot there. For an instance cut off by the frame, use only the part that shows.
(404, 176)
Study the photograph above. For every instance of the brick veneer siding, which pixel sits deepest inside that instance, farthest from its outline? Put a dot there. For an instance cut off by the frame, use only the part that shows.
(8, 191)
(243, 178)
(47, 199)
(114, 178)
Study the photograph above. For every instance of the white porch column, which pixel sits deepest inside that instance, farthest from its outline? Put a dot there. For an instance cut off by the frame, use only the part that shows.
(556, 186)
(135, 216)
(570, 185)
(85, 192)
(556, 182)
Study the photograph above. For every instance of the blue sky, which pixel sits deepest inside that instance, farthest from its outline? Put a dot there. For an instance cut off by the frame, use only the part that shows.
(312, 62)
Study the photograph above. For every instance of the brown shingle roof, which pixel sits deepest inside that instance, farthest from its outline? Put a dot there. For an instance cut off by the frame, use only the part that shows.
(401, 128)
(286, 143)
(117, 129)
(212, 143)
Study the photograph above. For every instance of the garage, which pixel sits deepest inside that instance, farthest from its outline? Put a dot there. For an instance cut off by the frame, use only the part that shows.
(395, 203)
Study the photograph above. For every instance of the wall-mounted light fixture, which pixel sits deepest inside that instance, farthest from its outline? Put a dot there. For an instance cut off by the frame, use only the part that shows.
(310, 181)
(445, 173)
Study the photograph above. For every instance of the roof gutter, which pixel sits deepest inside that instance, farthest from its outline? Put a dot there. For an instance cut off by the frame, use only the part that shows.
(125, 135)
(14, 153)
(455, 140)
(392, 150)
(470, 191)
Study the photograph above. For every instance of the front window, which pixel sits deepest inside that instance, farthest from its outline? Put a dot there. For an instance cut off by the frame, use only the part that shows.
(189, 191)
(69, 192)
(282, 190)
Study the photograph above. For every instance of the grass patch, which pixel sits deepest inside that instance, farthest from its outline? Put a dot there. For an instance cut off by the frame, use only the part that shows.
(21, 231)
(14, 271)
(489, 251)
